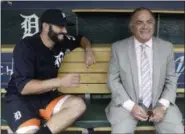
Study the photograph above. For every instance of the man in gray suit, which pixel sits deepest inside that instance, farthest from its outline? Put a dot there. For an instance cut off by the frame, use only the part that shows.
(142, 77)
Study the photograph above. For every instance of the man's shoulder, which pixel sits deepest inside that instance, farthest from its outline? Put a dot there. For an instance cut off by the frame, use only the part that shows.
(123, 42)
(162, 42)
(32, 39)
(163, 45)
(29, 42)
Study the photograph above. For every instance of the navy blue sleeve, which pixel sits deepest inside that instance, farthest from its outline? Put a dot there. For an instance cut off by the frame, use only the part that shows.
(24, 62)
(72, 42)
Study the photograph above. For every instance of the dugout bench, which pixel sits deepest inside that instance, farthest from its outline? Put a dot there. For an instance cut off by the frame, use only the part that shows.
(94, 90)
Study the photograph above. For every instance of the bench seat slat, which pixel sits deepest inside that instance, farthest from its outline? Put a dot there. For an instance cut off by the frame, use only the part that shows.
(95, 89)
(91, 78)
(81, 67)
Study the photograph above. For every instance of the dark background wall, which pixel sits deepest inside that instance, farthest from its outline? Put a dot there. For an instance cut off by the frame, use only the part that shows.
(98, 27)
(163, 5)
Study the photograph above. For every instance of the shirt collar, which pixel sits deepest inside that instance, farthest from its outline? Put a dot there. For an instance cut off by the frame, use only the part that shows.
(148, 43)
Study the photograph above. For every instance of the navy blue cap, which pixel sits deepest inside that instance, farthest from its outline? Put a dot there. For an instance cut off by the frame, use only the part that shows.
(55, 17)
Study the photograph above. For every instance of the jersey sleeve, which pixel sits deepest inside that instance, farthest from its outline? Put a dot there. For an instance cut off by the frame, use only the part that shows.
(24, 61)
(72, 42)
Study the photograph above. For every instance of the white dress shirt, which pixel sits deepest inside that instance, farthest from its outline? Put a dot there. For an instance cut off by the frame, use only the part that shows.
(128, 105)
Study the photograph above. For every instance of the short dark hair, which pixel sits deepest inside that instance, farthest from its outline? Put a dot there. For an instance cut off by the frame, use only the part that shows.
(141, 9)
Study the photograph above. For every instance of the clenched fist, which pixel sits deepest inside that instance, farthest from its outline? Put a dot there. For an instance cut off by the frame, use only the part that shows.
(158, 114)
(69, 80)
(138, 113)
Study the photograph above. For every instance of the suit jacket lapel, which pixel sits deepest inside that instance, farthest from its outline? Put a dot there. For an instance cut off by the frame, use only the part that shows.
(156, 69)
(133, 64)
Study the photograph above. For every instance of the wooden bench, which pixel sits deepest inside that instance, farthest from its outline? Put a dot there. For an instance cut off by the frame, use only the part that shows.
(94, 90)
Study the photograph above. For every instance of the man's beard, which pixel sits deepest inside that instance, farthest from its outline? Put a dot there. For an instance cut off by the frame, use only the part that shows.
(54, 36)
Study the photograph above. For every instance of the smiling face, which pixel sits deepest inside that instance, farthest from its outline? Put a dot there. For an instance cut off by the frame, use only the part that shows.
(142, 25)
(56, 33)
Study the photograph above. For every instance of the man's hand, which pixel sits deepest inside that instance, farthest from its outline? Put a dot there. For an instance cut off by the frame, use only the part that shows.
(158, 114)
(89, 57)
(138, 113)
(69, 80)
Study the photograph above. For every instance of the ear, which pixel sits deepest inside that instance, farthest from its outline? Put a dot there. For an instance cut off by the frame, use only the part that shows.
(45, 27)
(130, 26)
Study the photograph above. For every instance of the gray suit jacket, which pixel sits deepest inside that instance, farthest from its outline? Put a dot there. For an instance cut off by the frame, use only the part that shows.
(123, 76)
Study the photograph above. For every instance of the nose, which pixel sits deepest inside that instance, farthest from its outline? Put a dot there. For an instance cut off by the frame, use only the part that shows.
(63, 30)
(145, 25)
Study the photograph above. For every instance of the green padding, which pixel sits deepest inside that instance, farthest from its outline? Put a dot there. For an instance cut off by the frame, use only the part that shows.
(95, 114)
(3, 122)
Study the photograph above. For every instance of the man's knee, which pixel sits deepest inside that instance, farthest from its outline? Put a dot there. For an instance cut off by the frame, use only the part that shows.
(172, 122)
(76, 104)
(127, 126)
(123, 129)
(170, 128)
